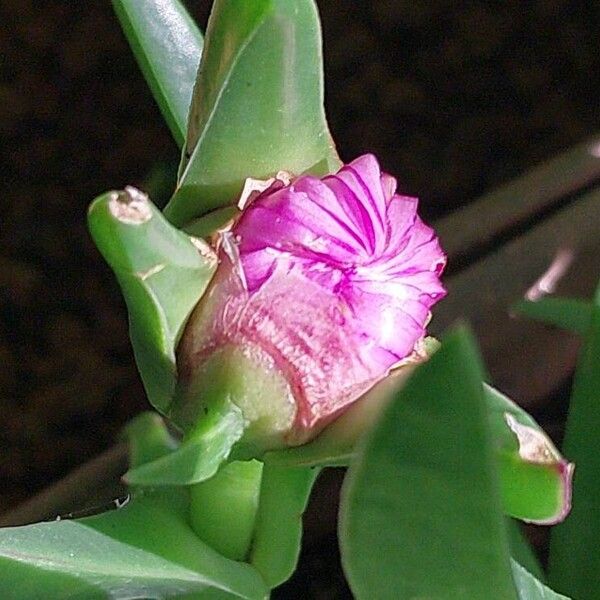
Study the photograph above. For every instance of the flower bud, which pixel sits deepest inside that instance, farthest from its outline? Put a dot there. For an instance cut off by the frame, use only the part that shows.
(323, 286)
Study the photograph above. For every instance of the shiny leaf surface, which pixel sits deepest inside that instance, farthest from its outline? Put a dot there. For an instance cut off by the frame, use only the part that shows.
(162, 273)
(257, 106)
(421, 511)
(535, 479)
(167, 45)
(145, 549)
(278, 535)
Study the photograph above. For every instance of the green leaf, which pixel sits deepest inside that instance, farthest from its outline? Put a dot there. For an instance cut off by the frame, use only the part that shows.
(421, 513)
(257, 106)
(205, 226)
(144, 549)
(531, 588)
(574, 564)
(283, 498)
(223, 509)
(535, 479)
(199, 456)
(167, 45)
(567, 313)
(162, 273)
(149, 439)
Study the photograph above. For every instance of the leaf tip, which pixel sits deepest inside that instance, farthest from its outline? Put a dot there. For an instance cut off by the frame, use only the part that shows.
(537, 449)
(565, 471)
(130, 206)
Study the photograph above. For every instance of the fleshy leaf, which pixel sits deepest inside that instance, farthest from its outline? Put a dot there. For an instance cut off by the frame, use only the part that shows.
(257, 106)
(283, 498)
(567, 313)
(535, 479)
(167, 45)
(531, 588)
(162, 273)
(574, 564)
(149, 439)
(416, 473)
(197, 459)
(143, 550)
(223, 509)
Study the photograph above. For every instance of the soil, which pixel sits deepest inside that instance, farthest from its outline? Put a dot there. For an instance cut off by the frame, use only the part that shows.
(454, 97)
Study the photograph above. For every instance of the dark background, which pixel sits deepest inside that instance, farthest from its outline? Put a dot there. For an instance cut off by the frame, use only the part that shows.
(454, 97)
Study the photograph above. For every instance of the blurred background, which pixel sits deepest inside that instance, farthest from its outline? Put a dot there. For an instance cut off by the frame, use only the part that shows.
(454, 97)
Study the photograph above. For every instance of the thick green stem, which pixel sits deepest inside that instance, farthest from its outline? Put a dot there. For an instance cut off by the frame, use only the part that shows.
(223, 509)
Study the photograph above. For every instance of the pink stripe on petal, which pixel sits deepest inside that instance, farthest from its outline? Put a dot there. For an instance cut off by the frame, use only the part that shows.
(356, 212)
(366, 184)
(341, 274)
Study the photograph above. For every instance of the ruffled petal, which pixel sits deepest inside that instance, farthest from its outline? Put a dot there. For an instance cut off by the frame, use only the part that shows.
(358, 186)
(334, 279)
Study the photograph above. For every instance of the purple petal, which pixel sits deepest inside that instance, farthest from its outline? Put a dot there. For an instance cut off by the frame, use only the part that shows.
(340, 275)
(358, 187)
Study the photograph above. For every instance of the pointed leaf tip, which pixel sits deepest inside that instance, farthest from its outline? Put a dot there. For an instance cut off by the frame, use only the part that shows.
(415, 472)
(536, 449)
(197, 459)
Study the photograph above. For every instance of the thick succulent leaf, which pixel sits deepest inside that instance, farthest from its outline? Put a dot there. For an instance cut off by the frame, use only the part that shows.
(567, 313)
(574, 565)
(162, 273)
(197, 459)
(167, 45)
(143, 550)
(223, 509)
(257, 106)
(531, 588)
(535, 479)
(204, 227)
(421, 511)
(278, 535)
(148, 438)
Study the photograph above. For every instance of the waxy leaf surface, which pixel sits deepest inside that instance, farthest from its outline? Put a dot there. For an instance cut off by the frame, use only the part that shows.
(167, 45)
(257, 106)
(145, 549)
(421, 512)
(535, 480)
(284, 495)
(162, 273)
(531, 588)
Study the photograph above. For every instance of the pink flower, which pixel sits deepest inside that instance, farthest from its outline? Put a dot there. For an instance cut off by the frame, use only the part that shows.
(329, 282)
